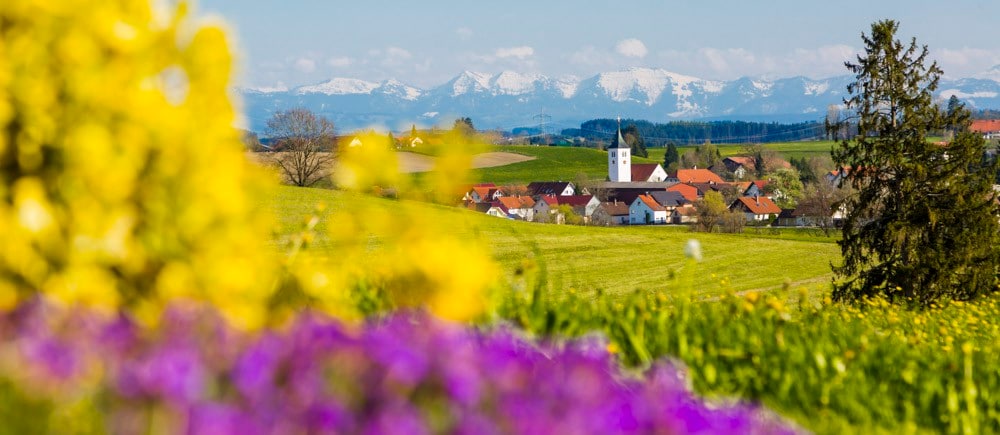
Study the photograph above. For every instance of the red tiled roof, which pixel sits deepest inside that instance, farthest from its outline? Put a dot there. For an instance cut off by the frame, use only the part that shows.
(550, 200)
(651, 203)
(759, 205)
(526, 201)
(690, 192)
(642, 171)
(985, 125)
(511, 202)
(697, 176)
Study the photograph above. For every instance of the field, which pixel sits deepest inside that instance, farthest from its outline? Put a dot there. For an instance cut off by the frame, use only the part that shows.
(550, 164)
(786, 149)
(760, 325)
(614, 259)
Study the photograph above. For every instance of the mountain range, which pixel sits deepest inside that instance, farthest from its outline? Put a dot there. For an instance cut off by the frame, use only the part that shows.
(509, 99)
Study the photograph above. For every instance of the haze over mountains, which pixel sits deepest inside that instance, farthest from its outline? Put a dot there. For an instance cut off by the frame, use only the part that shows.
(509, 100)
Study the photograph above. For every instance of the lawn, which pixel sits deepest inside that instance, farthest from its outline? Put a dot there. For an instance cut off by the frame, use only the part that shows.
(550, 164)
(615, 259)
(786, 149)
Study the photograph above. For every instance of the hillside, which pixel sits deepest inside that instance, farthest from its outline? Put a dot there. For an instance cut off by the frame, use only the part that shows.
(615, 259)
(550, 164)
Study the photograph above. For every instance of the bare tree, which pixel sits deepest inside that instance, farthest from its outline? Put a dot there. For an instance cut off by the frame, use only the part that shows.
(304, 145)
(819, 204)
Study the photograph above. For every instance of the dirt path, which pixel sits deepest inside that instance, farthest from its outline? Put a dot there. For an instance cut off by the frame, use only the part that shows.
(410, 162)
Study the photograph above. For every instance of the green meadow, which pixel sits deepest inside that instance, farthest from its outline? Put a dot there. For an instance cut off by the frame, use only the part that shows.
(786, 149)
(612, 259)
(550, 164)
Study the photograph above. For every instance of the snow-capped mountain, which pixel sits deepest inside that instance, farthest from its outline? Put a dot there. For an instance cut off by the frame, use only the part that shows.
(511, 99)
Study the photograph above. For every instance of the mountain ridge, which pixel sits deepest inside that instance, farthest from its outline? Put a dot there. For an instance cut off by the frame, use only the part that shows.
(512, 99)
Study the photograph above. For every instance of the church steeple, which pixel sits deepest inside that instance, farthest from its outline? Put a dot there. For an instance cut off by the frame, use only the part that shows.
(619, 157)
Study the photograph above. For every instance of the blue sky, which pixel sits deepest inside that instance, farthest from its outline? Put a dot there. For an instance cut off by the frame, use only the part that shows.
(426, 43)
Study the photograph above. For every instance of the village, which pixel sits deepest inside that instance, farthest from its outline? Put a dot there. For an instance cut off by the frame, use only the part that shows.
(646, 194)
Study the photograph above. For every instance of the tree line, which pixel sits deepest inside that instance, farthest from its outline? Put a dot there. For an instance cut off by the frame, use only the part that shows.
(696, 132)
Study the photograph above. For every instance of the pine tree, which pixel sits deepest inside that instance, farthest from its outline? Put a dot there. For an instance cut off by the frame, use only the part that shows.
(671, 156)
(922, 223)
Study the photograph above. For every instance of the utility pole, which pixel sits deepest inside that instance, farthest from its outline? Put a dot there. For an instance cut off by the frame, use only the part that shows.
(542, 120)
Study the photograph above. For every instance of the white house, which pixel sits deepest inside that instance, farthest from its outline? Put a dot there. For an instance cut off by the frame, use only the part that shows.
(645, 210)
(619, 158)
(521, 207)
(583, 205)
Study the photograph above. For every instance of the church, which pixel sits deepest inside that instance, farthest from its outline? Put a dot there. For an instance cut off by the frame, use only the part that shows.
(627, 180)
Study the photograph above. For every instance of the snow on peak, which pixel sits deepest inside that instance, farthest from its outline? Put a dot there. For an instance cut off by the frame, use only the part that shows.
(512, 83)
(339, 86)
(401, 90)
(469, 81)
(280, 87)
(816, 88)
(650, 82)
(567, 86)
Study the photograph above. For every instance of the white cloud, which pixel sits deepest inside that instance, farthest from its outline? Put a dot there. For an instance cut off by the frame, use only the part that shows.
(731, 63)
(464, 33)
(522, 52)
(966, 61)
(631, 48)
(305, 64)
(340, 62)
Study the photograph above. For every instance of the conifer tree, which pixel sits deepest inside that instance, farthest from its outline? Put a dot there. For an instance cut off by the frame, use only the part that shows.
(922, 222)
(671, 156)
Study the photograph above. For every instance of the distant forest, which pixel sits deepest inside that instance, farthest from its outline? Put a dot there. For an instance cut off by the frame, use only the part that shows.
(692, 132)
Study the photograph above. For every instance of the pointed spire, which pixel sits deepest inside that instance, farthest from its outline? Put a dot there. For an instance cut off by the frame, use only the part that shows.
(621, 139)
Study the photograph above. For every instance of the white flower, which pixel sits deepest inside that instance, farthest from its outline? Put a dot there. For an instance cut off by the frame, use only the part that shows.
(693, 250)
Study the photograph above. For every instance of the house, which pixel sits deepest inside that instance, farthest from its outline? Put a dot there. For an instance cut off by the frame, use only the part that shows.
(740, 166)
(704, 188)
(837, 176)
(756, 208)
(684, 215)
(689, 176)
(483, 193)
(648, 172)
(521, 207)
(689, 192)
(645, 210)
(669, 200)
(583, 205)
(989, 128)
(355, 143)
(611, 213)
(791, 217)
(499, 210)
(559, 188)
(755, 188)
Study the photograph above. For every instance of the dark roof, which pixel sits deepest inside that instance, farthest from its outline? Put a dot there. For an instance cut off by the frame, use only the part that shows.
(669, 199)
(642, 171)
(547, 187)
(574, 200)
(621, 141)
(615, 208)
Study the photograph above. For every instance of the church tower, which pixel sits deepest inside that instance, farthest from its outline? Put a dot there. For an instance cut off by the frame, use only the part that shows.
(619, 159)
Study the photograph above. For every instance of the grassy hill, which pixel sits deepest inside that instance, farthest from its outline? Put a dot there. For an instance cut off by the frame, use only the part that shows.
(615, 259)
(786, 149)
(550, 164)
